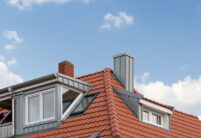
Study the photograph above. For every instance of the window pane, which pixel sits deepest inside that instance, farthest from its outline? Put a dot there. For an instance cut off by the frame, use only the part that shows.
(48, 105)
(68, 96)
(81, 107)
(145, 116)
(156, 119)
(33, 109)
(159, 120)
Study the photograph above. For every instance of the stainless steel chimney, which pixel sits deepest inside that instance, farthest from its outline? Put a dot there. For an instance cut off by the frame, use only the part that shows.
(124, 70)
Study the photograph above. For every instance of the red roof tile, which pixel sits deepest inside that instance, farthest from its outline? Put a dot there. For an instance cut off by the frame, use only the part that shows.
(110, 114)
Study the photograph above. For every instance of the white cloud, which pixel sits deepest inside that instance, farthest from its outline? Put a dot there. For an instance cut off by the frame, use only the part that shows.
(9, 47)
(2, 58)
(105, 26)
(185, 95)
(8, 78)
(24, 4)
(12, 35)
(12, 62)
(143, 78)
(121, 19)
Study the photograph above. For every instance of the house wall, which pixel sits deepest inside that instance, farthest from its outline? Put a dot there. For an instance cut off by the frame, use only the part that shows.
(19, 124)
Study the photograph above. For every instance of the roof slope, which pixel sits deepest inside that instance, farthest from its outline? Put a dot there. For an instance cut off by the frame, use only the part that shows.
(109, 114)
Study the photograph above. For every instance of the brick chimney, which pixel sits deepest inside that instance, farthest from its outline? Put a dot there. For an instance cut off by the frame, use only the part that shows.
(66, 68)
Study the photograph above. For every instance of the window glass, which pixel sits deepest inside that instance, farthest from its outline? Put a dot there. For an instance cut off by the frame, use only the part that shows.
(48, 105)
(83, 105)
(68, 96)
(33, 108)
(145, 116)
(156, 119)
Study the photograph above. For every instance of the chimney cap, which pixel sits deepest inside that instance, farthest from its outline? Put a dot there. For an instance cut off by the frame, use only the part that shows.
(123, 54)
(66, 61)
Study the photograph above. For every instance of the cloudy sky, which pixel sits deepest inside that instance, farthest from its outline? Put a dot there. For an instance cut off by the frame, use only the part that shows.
(163, 36)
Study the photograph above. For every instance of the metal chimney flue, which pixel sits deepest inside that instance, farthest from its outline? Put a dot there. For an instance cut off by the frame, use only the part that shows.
(124, 70)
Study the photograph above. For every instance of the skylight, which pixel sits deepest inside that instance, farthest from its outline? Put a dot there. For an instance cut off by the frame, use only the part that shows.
(84, 104)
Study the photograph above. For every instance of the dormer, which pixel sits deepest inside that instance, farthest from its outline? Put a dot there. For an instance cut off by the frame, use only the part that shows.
(145, 110)
(44, 103)
(155, 114)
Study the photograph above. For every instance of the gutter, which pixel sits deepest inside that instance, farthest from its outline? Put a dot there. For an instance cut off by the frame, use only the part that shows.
(10, 91)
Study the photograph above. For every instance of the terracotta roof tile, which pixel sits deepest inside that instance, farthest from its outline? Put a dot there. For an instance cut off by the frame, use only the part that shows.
(110, 114)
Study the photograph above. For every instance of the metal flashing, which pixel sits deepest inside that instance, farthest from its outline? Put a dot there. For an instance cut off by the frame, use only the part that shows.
(6, 94)
(122, 54)
(96, 134)
(131, 94)
(130, 99)
(34, 132)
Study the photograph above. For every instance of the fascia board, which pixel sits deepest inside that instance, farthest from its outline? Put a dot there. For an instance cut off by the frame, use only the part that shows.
(73, 79)
(45, 80)
(155, 106)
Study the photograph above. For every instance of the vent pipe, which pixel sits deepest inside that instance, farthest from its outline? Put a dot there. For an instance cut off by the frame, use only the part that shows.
(124, 70)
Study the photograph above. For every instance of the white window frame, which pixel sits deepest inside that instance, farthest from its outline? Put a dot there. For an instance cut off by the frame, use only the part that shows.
(158, 110)
(72, 104)
(150, 115)
(40, 94)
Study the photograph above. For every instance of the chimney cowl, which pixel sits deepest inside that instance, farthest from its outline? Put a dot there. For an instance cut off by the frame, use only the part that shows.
(66, 68)
(124, 70)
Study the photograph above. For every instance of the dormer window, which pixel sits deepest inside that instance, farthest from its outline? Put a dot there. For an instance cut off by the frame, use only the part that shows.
(40, 106)
(152, 117)
(145, 116)
(156, 119)
(155, 114)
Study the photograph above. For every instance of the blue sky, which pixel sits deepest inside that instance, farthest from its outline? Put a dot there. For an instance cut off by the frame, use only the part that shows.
(163, 36)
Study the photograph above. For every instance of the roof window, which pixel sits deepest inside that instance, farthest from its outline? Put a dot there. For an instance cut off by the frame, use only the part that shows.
(84, 104)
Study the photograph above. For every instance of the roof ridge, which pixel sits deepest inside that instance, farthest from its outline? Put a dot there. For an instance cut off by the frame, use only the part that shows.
(110, 103)
(89, 74)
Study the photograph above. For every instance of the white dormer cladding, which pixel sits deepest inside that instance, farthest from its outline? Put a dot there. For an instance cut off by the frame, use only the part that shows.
(155, 114)
(25, 95)
(144, 110)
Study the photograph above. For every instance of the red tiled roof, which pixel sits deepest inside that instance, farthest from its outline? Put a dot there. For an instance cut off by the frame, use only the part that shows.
(110, 114)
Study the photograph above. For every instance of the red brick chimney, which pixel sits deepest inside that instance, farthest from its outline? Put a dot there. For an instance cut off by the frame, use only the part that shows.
(66, 68)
